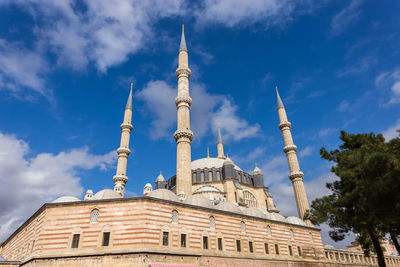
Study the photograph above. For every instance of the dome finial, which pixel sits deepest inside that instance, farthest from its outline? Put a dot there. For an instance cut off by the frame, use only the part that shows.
(183, 27)
(208, 152)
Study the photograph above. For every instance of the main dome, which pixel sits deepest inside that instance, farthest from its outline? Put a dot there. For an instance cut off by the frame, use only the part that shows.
(210, 163)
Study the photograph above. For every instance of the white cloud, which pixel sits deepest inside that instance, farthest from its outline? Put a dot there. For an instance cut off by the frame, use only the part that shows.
(361, 66)
(307, 151)
(343, 106)
(29, 182)
(21, 68)
(390, 79)
(345, 17)
(275, 170)
(391, 132)
(326, 132)
(207, 112)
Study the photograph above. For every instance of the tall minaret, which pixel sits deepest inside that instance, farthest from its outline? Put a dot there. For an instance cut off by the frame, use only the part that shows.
(220, 146)
(123, 151)
(183, 134)
(295, 175)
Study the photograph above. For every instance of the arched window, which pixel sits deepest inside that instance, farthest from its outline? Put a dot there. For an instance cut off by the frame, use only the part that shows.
(249, 199)
(242, 226)
(94, 215)
(174, 216)
(310, 236)
(269, 231)
(202, 176)
(291, 234)
(212, 222)
(218, 176)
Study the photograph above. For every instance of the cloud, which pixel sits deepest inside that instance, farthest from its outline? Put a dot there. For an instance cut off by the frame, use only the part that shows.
(275, 170)
(21, 68)
(326, 132)
(29, 182)
(390, 79)
(391, 132)
(307, 151)
(207, 111)
(243, 13)
(361, 66)
(343, 106)
(345, 17)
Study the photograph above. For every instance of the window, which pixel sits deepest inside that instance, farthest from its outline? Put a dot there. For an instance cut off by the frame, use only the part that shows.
(75, 240)
(269, 231)
(218, 176)
(238, 245)
(205, 242)
(243, 227)
(266, 204)
(212, 222)
(219, 243)
(106, 239)
(251, 246)
(209, 175)
(310, 236)
(94, 215)
(291, 234)
(183, 240)
(276, 249)
(299, 250)
(165, 238)
(290, 250)
(202, 176)
(266, 248)
(249, 199)
(174, 216)
(236, 197)
(33, 244)
(194, 177)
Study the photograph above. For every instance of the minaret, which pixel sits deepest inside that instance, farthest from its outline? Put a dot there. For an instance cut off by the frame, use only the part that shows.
(220, 146)
(295, 175)
(123, 151)
(183, 134)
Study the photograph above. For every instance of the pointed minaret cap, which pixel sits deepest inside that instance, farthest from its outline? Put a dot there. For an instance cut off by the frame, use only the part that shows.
(228, 161)
(182, 46)
(280, 103)
(219, 135)
(160, 178)
(257, 170)
(208, 153)
(129, 102)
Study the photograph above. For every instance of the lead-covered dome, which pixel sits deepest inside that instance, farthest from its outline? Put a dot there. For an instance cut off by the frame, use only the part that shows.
(106, 194)
(164, 194)
(199, 200)
(229, 206)
(66, 199)
(210, 163)
(295, 220)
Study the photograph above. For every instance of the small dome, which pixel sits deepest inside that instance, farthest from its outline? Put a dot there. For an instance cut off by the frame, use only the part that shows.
(295, 220)
(89, 191)
(209, 163)
(228, 161)
(229, 206)
(66, 199)
(207, 188)
(164, 194)
(253, 212)
(160, 178)
(257, 170)
(106, 194)
(199, 200)
(277, 217)
(148, 185)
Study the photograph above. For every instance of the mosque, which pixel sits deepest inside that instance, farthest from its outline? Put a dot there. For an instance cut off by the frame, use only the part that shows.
(211, 213)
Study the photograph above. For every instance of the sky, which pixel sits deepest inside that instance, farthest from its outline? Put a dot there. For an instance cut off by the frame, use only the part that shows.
(66, 69)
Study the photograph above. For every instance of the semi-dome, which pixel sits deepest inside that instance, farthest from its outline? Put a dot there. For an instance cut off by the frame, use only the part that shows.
(295, 220)
(164, 194)
(210, 163)
(199, 200)
(229, 206)
(66, 199)
(106, 194)
(206, 189)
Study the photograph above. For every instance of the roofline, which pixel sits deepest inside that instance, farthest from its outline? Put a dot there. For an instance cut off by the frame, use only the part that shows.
(84, 202)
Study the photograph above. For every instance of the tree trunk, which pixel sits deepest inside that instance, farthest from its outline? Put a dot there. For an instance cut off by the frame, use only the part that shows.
(377, 247)
(395, 241)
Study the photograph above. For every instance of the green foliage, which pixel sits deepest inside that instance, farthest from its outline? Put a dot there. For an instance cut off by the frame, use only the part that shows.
(365, 200)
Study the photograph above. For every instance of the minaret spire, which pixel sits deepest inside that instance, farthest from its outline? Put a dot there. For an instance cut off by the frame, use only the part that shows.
(123, 151)
(220, 145)
(295, 175)
(183, 134)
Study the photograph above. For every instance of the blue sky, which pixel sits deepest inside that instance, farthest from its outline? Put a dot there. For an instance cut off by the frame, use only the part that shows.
(66, 66)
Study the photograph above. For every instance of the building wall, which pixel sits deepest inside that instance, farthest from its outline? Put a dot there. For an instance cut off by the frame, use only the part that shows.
(137, 224)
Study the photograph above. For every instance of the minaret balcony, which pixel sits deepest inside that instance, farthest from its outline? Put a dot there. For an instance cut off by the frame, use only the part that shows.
(183, 133)
(120, 178)
(179, 100)
(284, 125)
(124, 151)
(126, 126)
(294, 175)
(289, 148)
(183, 72)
